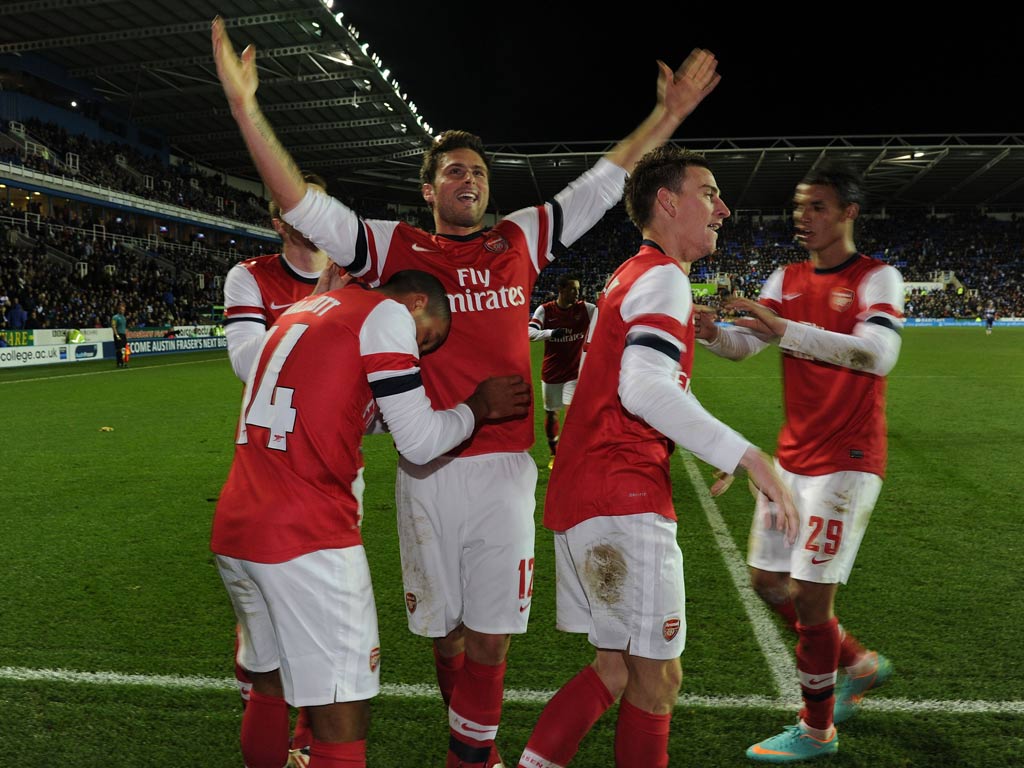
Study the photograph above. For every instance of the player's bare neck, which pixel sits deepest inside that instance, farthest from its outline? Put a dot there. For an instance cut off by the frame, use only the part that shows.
(453, 230)
(304, 259)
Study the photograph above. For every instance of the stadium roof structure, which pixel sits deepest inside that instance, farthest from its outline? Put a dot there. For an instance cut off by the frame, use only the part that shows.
(341, 113)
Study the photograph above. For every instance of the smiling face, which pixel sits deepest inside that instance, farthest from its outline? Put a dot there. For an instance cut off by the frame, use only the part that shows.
(459, 192)
(699, 213)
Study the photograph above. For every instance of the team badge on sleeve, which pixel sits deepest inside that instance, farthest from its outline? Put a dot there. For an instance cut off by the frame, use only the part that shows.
(670, 629)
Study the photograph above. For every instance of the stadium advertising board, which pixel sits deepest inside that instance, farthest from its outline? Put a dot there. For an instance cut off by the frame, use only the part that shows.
(45, 337)
(16, 357)
(187, 344)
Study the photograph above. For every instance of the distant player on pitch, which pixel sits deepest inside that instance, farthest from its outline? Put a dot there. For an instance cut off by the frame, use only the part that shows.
(562, 325)
(837, 318)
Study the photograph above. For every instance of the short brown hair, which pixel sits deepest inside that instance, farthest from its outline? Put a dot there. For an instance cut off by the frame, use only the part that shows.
(447, 142)
(662, 167)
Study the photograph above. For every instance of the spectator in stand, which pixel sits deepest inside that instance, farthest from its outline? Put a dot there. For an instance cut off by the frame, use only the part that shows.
(17, 317)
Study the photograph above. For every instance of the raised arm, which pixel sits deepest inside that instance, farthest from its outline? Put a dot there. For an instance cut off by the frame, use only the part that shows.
(679, 93)
(240, 80)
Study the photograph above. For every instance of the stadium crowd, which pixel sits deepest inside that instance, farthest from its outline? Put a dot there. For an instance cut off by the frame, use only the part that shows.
(984, 254)
(179, 185)
(160, 283)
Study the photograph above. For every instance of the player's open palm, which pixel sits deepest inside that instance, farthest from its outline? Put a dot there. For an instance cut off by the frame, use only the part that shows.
(237, 74)
(500, 397)
(681, 91)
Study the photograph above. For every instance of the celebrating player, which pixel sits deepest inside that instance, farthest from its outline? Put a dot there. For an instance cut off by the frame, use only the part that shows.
(466, 520)
(837, 319)
(562, 325)
(609, 501)
(256, 292)
(287, 527)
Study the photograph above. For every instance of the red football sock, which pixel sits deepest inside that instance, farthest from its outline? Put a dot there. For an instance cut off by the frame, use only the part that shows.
(850, 650)
(566, 719)
(551, 427)
(332, 754)
(817, 656)
(474, 713)
(303, 734)
(786, 610)
(265, 732)
(641, 738)
(448, 669)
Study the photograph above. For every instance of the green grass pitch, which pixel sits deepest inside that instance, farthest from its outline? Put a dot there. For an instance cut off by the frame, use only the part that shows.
(116, 634)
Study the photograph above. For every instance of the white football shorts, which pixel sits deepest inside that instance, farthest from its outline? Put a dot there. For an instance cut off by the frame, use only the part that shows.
(466, 532)
(312, 616)
(834, 513)
(620, 580)
(557, 396)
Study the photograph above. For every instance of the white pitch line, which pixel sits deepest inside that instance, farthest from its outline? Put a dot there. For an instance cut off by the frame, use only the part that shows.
(115, 371)
(526, 696)
(776, 652)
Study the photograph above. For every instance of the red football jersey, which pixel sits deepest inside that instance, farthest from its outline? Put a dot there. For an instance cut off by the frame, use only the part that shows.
(279, 286)
(609, 461)
(289, 491)
(562, 356)
(488, 275)
(835, 416)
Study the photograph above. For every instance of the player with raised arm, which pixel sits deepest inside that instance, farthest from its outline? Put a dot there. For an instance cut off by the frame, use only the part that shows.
(609, 500)
(562, 325)
(837, 318)
(287, 526)
(465, 520)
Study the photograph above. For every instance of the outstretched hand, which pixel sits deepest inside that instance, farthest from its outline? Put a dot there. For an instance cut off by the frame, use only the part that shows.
(766, 324)
(237, 74)
(704, 322)
(500, 397)
(681, 91)
(782, 512)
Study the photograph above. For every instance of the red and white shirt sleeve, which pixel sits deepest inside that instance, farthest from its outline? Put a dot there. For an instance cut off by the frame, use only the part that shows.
(387, 344)
(656, 311)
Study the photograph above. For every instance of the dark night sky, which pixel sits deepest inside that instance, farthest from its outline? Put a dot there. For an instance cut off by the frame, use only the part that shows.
(566, 77)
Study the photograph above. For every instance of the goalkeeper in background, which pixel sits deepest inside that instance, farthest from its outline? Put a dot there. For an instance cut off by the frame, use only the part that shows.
(562, 325)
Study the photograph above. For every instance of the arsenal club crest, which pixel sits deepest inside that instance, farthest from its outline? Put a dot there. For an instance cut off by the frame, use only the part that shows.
(841, 299)
(410, 602)
(496, 244)
(374, 658)
(670, 629)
